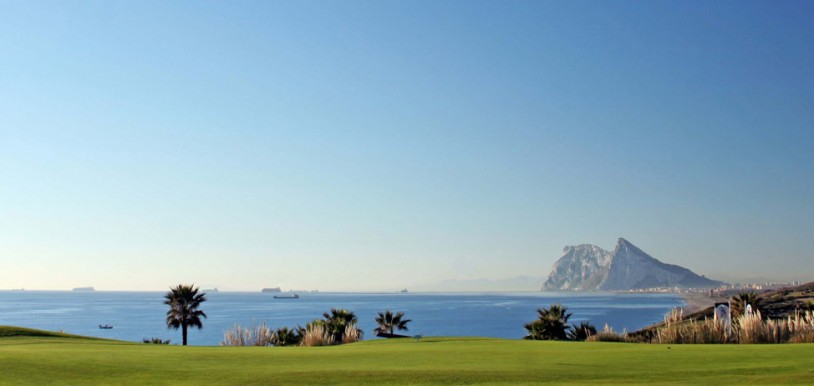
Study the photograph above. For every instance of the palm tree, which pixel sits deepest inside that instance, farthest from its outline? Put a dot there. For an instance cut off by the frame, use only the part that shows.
(581, 332)
(389, 322)
(286, 337)
(184, 301)
(743, 299)
(337, 320)
(551, 324)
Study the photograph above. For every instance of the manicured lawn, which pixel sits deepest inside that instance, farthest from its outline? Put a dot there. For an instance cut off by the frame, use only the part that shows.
(68, 360)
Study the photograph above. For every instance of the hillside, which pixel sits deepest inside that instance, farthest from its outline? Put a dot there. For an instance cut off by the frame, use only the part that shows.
(773, 304)
(15, 332)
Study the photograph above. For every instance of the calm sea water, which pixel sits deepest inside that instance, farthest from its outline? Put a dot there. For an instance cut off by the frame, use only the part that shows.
(137, 315)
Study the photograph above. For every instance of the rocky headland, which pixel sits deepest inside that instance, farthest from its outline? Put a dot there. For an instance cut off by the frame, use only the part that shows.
(590, 268)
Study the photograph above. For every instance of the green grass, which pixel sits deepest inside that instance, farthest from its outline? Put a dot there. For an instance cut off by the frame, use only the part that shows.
(63, 359)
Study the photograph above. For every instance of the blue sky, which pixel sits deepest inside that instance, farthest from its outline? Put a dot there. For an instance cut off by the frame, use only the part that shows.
(376, 145)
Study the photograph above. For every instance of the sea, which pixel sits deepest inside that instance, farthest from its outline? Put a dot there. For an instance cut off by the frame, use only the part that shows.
(138, 315)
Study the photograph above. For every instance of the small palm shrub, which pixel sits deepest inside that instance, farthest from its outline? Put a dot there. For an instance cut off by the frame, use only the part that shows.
(286, 337)
(255, 335)
(338, 321)
(551, 324)
(155, 341)
(742, 300)
(581, 332)
(388, 322)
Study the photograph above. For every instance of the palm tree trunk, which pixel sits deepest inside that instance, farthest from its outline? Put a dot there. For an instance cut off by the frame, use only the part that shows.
(184, 332)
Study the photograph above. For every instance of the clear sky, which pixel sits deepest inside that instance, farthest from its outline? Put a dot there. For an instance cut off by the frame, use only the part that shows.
(377, 145)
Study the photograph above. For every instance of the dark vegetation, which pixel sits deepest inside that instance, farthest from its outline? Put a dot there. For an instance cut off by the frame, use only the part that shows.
(582, 332)
(552, 324)
(388, 323)
(155, 341)
(184, 302)
(340, 323)
(284, 336)
(12, 331)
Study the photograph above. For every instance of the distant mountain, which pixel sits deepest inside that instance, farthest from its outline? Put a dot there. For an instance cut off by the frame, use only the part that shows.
(587, 268)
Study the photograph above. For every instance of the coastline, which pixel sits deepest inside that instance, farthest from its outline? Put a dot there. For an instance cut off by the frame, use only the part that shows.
(697, 301)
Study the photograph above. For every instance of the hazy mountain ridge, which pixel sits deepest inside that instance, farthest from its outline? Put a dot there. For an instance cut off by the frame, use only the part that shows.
(588, 268)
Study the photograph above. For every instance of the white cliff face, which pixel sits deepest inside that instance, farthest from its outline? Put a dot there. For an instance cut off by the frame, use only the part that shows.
(633, 268)
(588, 267)
(579, 268)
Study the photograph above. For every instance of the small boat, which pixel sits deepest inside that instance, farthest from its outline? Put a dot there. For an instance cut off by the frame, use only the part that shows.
(292, 296)
(105, 327)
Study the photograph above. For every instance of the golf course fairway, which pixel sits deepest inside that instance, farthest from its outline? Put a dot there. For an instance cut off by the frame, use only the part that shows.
(64, 359)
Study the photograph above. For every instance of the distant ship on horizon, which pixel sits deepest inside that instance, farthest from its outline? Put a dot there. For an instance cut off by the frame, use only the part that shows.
(84, 289)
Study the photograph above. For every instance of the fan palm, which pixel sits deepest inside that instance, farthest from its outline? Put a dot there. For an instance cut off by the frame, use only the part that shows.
(389, 322)
(286, 337)
(337, 320)
(581, 332)
(184, 301)
(551, 324)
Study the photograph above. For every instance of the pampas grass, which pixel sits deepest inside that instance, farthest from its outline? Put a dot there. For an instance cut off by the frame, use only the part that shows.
(802, 327)
(352, 334)
(255, 335)
(802, 337)
(677, 331)
(749, 328)
(706, 331)
(752, 329)
(608, 335)
(316, 335)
